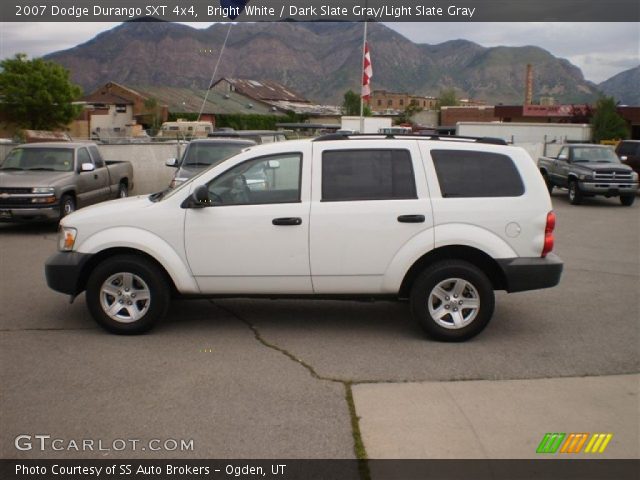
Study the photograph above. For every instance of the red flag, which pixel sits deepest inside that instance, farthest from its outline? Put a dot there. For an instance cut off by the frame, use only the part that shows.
(367, 73)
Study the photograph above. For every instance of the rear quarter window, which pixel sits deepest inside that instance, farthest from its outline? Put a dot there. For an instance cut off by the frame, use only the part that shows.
(465, 173)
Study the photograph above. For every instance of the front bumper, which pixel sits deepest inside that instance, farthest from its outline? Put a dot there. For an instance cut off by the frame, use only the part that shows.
(28, 214)
(523, 274)
(608, 188)
(63, 271)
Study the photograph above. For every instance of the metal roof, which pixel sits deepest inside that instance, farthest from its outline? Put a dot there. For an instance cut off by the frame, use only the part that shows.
(185, 100)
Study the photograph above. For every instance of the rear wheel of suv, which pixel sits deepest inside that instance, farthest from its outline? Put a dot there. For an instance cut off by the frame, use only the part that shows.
(627, 200)
(127, 294)
(575, 195)
(452, 300)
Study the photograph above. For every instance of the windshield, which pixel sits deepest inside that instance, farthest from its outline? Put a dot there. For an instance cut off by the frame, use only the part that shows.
(210, 153)
(51, 159)
(594, 154)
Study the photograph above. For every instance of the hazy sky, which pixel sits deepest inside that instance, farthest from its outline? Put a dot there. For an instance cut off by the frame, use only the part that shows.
(600, 49)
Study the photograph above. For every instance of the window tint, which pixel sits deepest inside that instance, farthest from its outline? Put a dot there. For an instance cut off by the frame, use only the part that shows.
(83, 157)
(97, 158)
(367, 175)
(272, 179)
(629, 148)
(464, 173)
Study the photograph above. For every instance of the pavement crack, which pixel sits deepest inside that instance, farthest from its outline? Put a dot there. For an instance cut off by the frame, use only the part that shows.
(358, 444)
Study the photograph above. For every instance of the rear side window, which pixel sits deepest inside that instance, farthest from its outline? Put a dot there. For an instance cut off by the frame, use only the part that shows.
(367, 175)
(464, 173)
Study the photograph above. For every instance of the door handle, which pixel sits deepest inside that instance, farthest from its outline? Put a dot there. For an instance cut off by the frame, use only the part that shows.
(287, 221)
(411, 218)
(95, 175)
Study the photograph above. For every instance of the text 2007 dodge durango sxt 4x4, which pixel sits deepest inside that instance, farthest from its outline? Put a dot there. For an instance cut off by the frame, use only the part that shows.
(442, 223)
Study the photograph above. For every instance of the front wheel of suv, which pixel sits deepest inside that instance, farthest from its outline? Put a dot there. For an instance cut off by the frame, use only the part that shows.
(127, 294)
(452, 300)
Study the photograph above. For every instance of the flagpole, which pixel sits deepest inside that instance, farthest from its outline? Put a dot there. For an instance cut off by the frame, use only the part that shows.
(364, 46)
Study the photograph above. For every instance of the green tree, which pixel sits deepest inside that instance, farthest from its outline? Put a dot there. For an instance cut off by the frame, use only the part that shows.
(447, 98)
(153, 111)
(409, 111)
(606, 123)
(351, 104)
(37, 94)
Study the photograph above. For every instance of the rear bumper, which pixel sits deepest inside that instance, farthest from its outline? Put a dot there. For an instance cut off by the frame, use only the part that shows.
(63, 271)
(523, 274)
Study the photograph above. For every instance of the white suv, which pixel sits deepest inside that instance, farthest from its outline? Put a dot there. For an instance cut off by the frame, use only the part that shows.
(442, 223)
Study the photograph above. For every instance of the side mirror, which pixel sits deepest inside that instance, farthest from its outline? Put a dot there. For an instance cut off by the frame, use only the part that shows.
(563, 157)
(172, 162)
(198, 199)
(87, 167)
(624, 158)
(273, 164)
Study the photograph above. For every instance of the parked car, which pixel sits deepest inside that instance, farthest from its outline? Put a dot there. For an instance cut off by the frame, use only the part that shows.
(46, 181)
(440, 223)
(629, 153)
(201, 154)
(587, 170)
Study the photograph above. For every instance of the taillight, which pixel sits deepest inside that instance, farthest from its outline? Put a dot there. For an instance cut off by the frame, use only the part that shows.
(548, 234)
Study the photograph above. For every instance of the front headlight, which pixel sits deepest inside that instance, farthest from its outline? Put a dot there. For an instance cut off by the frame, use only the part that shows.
(66, 238)
(47, 190)
(634, 176)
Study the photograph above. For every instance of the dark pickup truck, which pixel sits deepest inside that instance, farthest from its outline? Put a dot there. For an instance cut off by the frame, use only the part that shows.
(587, 170)
(46, 181)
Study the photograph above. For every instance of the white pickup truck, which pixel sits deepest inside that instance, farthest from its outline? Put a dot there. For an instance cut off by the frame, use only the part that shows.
(442, 223)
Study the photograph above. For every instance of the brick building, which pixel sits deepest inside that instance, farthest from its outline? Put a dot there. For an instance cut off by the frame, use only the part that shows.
(383, 101)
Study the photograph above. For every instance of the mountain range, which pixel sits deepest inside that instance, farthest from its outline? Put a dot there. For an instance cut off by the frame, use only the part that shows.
(624, 87)
(320, 60)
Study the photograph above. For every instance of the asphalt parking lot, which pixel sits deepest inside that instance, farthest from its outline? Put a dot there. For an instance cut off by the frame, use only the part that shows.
(272, 379)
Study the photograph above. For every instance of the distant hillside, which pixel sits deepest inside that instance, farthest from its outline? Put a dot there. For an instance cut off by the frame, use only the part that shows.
(624, 87)
(320, 60)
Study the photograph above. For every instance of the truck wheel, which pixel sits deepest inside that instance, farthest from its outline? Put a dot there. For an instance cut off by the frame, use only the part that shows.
(575, 195)
(452, 300)
(123, 190)
(547, 181)
(67, 205)
(627, 200)
(127, 294)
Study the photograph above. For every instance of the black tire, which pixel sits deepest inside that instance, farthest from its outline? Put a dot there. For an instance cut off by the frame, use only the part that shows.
(67, 205)
(145, 274)
(449, 272)
(575, 194)
(627, 200)
(123, 190)
(548, 183)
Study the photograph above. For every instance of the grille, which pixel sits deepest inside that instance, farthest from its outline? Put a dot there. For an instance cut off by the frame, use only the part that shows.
(14, 190)
(612, 175)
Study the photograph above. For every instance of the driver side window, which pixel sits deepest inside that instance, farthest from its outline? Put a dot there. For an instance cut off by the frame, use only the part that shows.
(271, 179)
